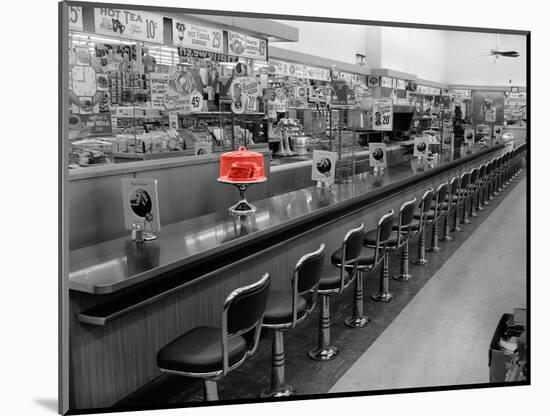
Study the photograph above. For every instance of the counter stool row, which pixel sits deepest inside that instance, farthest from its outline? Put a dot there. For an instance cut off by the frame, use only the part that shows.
(210, 353)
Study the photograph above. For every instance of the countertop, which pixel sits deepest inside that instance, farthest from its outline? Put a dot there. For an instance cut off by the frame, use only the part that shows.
(117, 264)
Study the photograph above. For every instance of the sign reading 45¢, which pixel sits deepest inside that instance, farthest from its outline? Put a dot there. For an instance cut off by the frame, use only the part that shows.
(382, 114)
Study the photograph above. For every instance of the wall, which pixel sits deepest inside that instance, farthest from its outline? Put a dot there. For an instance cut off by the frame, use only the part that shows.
(328, 40)
(415, 51)
(467, 65)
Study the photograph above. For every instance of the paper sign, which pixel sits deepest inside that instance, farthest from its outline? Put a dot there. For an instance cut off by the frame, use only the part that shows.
(386, 82)
(173, 121)
(246, 46)
(213, 56)
(421, 147)
(497, 131)
(323, 166)
(141, 203)
(203, 148)
(129, 24)
(159, 86)
(469, 137)
(191, 35)
(401, 84)
(382, 114)
(243, 91)
(377, 155)
(75, 18)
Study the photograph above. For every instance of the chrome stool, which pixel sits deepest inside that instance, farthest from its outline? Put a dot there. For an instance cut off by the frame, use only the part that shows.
(496, 190)
(423, 218)
(472, 190)
(452, 205)
(383, 235)
(437, 210)
(408, 226)
(334, 279)
(368, 260)
(210, 353)
(286, 309)
(486, 180)
(491, 180)
(462, 193)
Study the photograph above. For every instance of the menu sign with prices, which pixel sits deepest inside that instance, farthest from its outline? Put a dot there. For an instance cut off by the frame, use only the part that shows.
(141, 203)
(382, 114)
(323, 167)
(246, 46)
(130, 24)
(191, 35)
(213, 56)
(421, 147)
(75, 18)
(377, 155)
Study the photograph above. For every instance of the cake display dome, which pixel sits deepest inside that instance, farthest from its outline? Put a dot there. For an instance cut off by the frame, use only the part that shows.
(242, 166)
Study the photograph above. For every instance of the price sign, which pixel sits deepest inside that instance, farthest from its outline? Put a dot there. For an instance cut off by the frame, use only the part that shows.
(191, 35)
(75, 18)
(382, 114)
(196, 102)
(246, 46)
(132, 24)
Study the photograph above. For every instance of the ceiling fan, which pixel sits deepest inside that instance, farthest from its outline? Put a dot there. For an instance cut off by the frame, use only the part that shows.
(497, 53)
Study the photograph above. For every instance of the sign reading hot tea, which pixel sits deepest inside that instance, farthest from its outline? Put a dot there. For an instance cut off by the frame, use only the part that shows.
(382, 114)
(247, 46)
(191, 35)
(130, 24)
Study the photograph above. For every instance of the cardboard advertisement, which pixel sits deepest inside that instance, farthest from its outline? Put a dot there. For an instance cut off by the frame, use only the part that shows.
(244, 91)
(140, 202)
(191, 35)
(129, 24)
(497, 131)
(323, 167)
(377, 155)
(421, 147)
(340, 91)
(246, 46)
(469, 137)
(382, 114)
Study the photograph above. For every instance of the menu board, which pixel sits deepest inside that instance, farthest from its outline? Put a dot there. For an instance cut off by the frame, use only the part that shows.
(75, 18)
(191, 35)
(377, 155)
(130, 24)
(323, 166)
(382, 114)
(276, 67)
(246, 46)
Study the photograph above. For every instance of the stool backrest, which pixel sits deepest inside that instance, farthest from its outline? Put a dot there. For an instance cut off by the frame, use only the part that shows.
(351, 249)
(440, 196)
(473, 175)
(464, 180)
(243, 312)
(453, 187)
(425, 204)
(482, 170)
(383, 234)
(406, 217)
(307, 275)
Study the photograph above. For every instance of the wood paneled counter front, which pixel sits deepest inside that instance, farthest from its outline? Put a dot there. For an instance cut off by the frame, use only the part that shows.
(127, 300)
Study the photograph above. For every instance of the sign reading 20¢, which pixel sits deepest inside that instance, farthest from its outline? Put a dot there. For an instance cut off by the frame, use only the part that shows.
(382, 114)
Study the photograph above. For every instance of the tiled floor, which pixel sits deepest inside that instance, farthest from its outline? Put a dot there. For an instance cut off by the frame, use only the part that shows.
(441, 337)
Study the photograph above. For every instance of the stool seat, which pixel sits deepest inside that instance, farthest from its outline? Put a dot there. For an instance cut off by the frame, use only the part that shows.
(369, 239)
(200, 351)
(429, 215)
(415, 224)
(365, 258)
(279, 308)
(330, 278)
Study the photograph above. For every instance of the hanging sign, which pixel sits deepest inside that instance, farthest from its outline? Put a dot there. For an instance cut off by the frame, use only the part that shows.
(130, 24)
(141, 202)
(377, 155)
(421, 147)
(244, 91)
(323, 166)
(213, 56)
(191, 35)
(386, 82)
(75, 18)
(401, 84)
(246, 46)
(382, 114)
